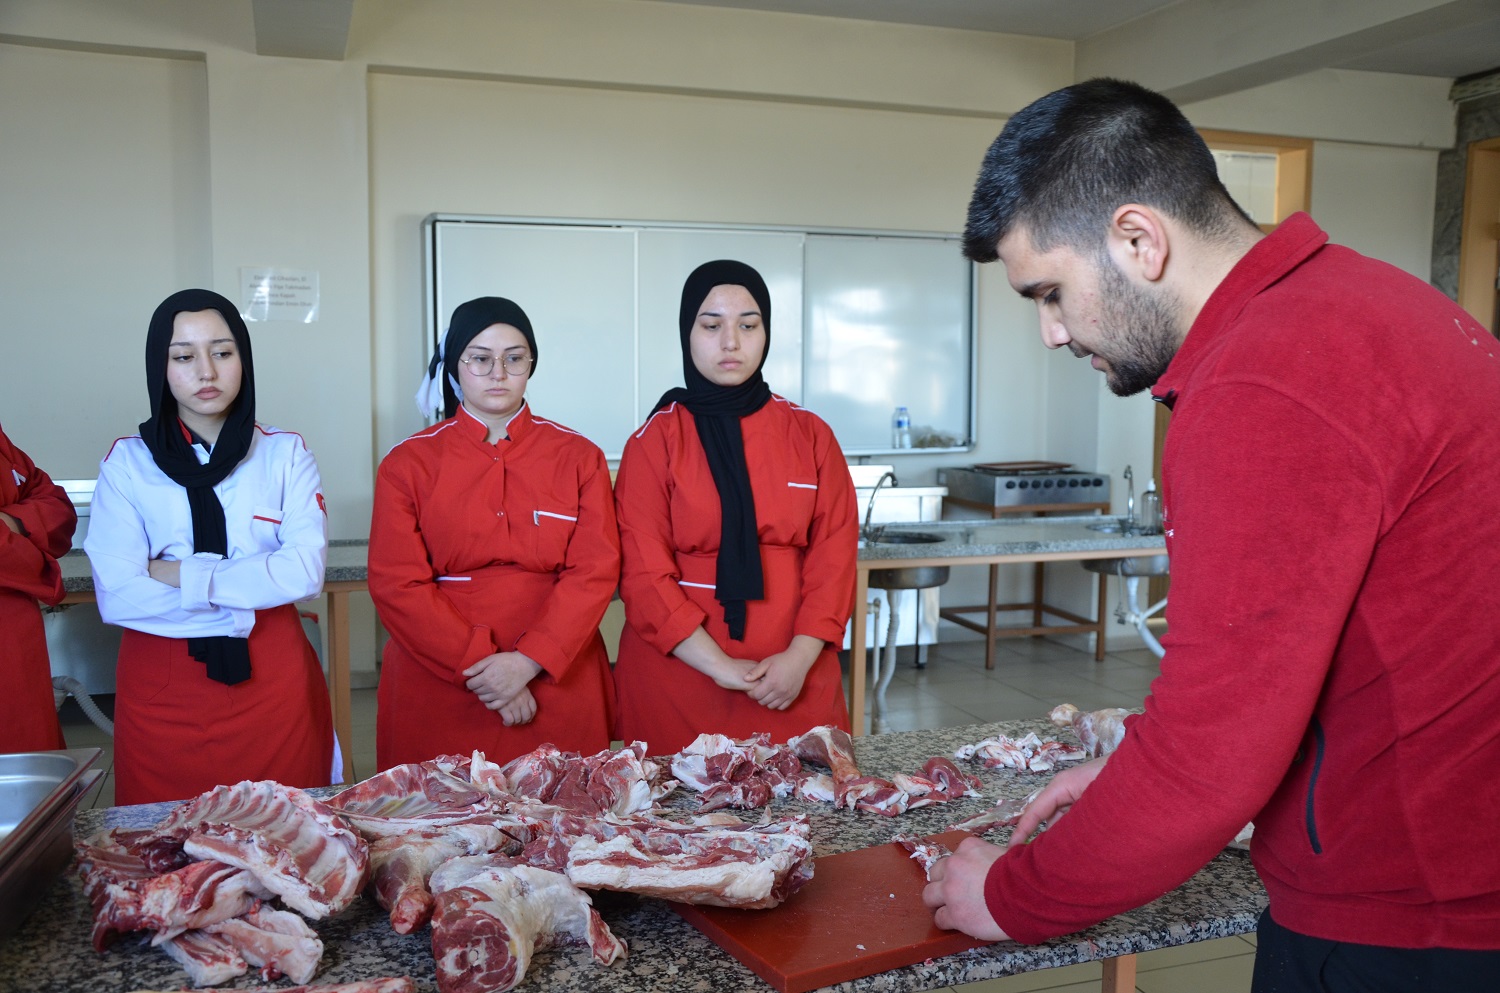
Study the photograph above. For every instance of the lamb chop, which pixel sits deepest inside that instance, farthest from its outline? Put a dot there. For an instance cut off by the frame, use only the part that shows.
(491, 916)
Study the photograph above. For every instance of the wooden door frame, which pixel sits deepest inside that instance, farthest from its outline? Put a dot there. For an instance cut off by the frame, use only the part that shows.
(1293, 193)
(1479, 245)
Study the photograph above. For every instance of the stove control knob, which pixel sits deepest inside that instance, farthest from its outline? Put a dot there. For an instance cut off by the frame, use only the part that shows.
(1048, 484)
(1023, 484)
(1010, 484)
(1072, 483)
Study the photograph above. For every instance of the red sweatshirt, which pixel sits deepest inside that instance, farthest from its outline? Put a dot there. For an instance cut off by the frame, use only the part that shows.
(1332, 502)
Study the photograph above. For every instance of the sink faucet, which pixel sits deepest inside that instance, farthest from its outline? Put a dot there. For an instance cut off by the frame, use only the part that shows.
(865, 532)
(1129, 525)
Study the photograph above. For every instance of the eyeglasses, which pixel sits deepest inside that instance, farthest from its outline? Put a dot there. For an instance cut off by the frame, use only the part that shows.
(515, 364)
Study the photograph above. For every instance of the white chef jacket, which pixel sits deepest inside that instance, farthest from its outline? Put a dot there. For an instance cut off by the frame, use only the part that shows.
(277, 529)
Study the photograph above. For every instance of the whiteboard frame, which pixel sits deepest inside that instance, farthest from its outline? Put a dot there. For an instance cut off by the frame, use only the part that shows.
(435, 324)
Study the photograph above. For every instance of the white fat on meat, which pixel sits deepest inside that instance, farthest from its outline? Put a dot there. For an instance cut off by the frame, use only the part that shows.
(750, 868)
(297, 847)
(1028, 754)
(418, 796)
(817, 787)
(401, 866)
(490, 919)
(744, 773)
(277, 942)
(208, 959)
(1101, 731)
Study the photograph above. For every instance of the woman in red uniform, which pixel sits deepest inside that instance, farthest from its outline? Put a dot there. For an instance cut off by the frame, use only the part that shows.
(739, 531)
(493, 554)
(205, 530)
(36, 526)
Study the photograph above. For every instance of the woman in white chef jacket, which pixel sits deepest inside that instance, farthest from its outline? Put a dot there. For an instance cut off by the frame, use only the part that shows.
(205, 529)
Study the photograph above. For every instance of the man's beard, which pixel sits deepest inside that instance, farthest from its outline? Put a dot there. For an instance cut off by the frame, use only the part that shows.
(1139, 330)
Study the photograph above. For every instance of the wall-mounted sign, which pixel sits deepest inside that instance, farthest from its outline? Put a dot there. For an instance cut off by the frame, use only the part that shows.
(279, 295)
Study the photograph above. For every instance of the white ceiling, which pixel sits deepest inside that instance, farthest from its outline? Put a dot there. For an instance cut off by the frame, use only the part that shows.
(1453, 39)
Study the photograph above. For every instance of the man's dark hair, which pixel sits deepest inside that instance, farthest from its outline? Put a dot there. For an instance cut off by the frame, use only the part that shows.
(1062, 165)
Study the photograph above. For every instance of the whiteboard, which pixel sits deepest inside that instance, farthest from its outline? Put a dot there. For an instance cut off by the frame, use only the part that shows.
(861, 321)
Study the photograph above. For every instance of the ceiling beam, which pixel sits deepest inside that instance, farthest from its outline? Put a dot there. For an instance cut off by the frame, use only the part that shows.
(1199, 49)
(303, 29)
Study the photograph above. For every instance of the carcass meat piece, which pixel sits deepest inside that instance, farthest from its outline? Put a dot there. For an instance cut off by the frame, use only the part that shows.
(127, 896)
(1028, 754)
(417, 796)
(751, 866)
(938, 782)
(208, 959)
(873, 794)
(401, 866)
(927, 853)
(830, 747)
(534, 775)
(744, 773)
(487, 923)
(277, 942)
(1101, 731)
(402, 984)
(1002, 814)
(817, 787)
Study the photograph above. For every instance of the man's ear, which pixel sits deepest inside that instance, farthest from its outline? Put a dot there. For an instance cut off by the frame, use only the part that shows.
(1138, 241)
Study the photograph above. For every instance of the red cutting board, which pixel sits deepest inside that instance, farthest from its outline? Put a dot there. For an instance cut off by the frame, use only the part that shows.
(861, 914)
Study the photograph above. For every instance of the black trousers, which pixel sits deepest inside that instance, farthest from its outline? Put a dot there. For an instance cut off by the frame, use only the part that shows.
(1289, 962)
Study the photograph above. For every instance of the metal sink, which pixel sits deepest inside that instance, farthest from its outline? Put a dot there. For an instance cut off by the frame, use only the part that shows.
(880, 537)
(918, 577)
(1141, 565)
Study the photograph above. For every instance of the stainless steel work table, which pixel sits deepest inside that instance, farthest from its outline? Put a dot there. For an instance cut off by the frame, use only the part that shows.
(1031, 539)
(51, 950)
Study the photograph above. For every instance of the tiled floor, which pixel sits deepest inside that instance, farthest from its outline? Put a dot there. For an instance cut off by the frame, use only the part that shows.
(1030, 677)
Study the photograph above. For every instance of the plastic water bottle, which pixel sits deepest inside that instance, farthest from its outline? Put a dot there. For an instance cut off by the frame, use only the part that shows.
(901, 428)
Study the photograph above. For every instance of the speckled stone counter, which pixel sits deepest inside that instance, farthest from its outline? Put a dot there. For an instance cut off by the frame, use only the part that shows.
(51, 951)
(1029, 537)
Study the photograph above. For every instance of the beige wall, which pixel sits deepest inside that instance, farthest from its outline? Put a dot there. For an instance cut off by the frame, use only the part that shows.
(210, 158)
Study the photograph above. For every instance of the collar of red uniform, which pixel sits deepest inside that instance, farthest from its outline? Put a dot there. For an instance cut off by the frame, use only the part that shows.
(474, 428)
(1292, 243)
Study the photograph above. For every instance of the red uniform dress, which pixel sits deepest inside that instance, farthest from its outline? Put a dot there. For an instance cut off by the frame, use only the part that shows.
(669, 534)
(477, 549)
(28, 573)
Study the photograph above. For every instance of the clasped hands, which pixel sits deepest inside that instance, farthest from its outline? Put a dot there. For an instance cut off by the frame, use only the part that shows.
(502, 683)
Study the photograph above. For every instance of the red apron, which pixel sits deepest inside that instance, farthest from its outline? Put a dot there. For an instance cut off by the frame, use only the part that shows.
(30, 720)
(423, 715)
(179, 733)
(667, 703)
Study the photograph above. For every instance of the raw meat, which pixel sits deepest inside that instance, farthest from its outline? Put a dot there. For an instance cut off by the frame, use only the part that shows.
(401, 866)
(927, 853)
(415, 797)
(830, 747)
(297, 847)
(208, 959)
(1101, 731)
(388, 985)
(490, 918)
(817, 787)
(938, 782)
(1028, 754)
(746, 773)
(1002, 814)
(873, 794)
(127, 896)
(279, 943)
(750, 866)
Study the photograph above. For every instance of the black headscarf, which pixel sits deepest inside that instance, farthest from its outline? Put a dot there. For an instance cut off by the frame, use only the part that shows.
(227, 659)
(464, 326)
(717, 411)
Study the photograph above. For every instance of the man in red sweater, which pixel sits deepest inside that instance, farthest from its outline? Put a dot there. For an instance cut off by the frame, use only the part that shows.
(1332, 511)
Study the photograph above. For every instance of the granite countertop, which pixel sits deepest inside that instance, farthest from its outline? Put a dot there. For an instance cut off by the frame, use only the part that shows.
(1010, 536)
(51, 950)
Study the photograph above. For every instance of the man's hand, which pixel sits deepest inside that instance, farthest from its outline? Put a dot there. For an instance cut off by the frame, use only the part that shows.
(11, 522)
(164, 571)
(777, 680)
(955, 891)
(1055, 798)
(500, 681)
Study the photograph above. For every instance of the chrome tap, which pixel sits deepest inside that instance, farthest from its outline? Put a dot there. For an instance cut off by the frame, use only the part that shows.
(865, 531)
(1129, 525)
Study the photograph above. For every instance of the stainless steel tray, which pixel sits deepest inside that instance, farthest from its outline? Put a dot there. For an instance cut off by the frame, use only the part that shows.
(35, 862)
(32, 784)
